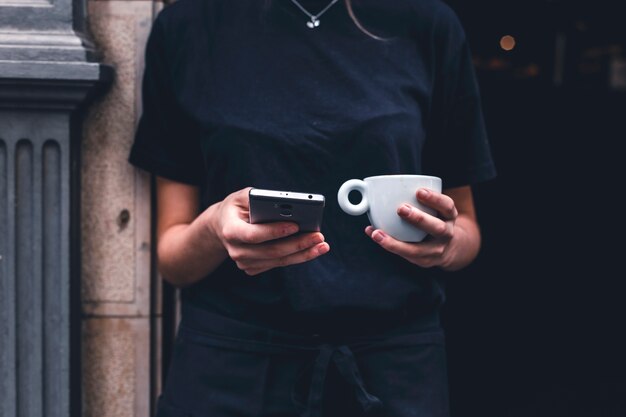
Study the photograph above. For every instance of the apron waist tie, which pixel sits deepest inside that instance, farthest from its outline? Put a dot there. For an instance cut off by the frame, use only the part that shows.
(204, 327)
(343, 358)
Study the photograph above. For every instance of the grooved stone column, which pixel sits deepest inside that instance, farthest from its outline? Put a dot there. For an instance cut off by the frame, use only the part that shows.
(46, 77)
(34, 284)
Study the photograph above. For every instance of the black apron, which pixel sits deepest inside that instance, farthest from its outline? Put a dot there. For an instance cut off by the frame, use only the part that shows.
(226, 368)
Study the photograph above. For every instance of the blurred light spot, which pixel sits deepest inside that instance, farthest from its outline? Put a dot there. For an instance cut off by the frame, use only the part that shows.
(532, 70)
(529, 71)
(507, 42)
(580, 25)
(498, 64)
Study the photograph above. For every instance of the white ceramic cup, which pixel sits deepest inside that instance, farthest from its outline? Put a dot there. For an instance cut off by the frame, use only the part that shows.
(381, 197)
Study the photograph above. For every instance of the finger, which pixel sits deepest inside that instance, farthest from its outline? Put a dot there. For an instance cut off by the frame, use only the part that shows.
(369, 230)
(255, 271)
(242, 198)
(277, 249)
(410, 251)
(430, 224)
(293, 259)
(258, 233)
(442, 203)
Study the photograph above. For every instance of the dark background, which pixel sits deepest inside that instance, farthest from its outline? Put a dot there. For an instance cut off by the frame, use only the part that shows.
(536, 325)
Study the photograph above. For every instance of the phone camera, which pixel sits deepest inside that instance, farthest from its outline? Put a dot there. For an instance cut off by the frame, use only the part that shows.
(310, 196)
(286, 210)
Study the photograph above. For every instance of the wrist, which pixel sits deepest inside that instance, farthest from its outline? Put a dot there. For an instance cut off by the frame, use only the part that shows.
(210, 221)
(463, 247)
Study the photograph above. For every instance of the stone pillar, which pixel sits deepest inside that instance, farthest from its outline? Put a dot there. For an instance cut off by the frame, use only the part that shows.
(120, 300)
(47, 74)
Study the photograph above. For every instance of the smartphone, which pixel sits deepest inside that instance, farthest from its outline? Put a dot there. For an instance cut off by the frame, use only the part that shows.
(305, 209)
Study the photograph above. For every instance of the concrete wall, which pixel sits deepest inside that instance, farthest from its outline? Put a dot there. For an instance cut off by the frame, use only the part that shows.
(119, 362)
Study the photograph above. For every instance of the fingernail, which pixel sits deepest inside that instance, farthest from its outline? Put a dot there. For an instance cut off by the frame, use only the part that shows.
(378, 236)
(423, 193)
(317, 239)
(322, 249)
(404, 210)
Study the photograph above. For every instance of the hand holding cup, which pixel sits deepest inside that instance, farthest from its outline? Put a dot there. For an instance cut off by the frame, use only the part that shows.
(382, 195)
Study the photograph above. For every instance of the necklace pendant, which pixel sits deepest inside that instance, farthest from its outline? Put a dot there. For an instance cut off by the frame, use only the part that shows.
(313, 23)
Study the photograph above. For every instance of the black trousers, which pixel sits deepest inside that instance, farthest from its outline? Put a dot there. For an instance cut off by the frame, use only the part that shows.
(226, 368)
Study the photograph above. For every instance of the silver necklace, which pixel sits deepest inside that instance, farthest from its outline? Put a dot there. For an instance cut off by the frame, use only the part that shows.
(315, 21)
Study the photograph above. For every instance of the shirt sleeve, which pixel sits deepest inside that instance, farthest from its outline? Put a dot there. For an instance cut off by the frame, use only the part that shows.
(166, 140)
(456, 148)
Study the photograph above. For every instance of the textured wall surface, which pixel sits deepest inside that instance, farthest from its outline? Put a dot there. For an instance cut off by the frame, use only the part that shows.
(107, 179)
(114, 368)
(109, 367)
(115, 203)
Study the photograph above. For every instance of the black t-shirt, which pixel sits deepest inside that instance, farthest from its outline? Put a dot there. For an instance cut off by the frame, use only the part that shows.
(242, 93)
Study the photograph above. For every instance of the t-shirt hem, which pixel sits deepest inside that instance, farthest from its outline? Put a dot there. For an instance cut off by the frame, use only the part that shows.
(481, 173)
(147, 161)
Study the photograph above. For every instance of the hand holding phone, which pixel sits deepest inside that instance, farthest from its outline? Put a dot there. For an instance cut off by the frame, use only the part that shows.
(305, 209)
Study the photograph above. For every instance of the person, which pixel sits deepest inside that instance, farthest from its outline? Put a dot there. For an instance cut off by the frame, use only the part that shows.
(302, 95)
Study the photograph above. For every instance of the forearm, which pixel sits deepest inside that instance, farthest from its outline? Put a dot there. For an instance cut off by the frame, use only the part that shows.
(465, 244)
(189, 252)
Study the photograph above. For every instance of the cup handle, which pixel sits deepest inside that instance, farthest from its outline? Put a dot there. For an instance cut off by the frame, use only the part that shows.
(344, 202)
